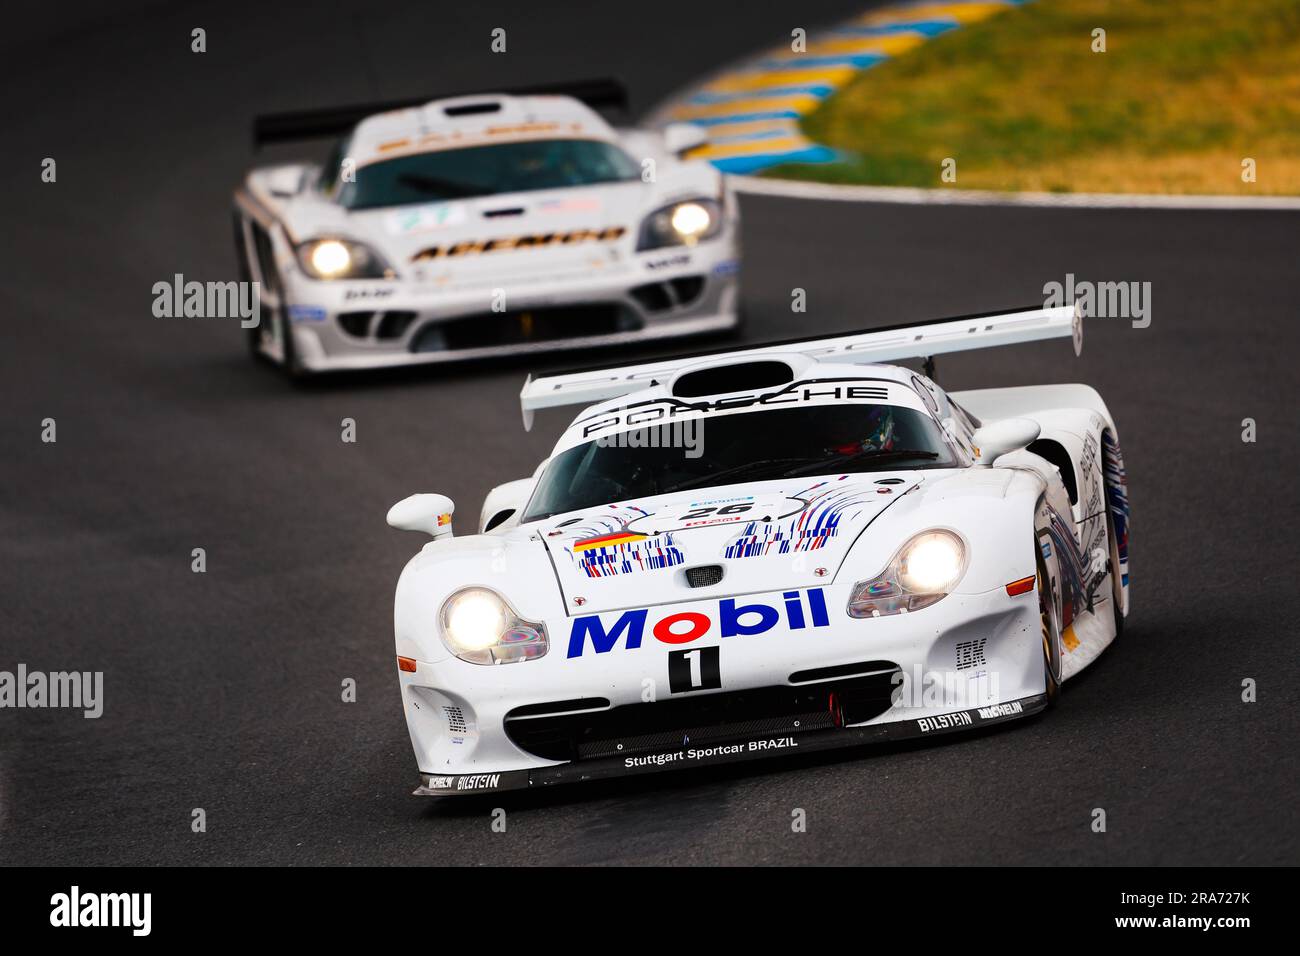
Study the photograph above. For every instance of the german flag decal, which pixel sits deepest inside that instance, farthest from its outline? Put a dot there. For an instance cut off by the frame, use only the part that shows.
(609, 540)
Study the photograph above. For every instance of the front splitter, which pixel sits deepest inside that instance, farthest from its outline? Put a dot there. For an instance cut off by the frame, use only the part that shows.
(735, 751)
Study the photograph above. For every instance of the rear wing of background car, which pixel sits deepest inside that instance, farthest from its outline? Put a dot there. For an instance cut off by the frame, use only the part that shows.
(886, 344)
(603, 95)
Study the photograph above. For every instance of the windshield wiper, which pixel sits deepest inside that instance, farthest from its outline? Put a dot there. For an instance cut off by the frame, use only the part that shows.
(892, 455)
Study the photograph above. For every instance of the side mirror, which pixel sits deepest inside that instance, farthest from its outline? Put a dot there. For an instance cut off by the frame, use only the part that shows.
(428, 513)
(681, 138)
(996, 439)
(284, 181)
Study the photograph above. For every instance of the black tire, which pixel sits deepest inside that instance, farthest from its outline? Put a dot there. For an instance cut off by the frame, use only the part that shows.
(292, 365)
(1116, 585)
(274, 318)
(1051, 634)
(253, 339)
(253, 336)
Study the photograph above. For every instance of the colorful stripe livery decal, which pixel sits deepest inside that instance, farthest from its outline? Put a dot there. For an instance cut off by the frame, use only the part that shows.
(809, 530)
(608, 540)
(602, 546)
(1117, 499)
(752, 111)
(646, 554)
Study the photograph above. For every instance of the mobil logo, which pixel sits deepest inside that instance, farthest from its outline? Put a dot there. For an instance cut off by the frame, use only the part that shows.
(800, 610)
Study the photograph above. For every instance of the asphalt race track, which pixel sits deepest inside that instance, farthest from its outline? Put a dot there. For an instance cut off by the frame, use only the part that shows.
(223, 689)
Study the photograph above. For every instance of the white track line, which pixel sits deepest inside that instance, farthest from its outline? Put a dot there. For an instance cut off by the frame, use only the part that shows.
(795, 189)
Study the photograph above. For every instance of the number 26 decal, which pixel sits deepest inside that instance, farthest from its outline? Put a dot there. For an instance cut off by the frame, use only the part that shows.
(696, 669)
(702, 512)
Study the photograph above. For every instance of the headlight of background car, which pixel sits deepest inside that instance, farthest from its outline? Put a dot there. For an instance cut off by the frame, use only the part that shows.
(681, 224)
(340, 259)
(478, 626)
(923, 571)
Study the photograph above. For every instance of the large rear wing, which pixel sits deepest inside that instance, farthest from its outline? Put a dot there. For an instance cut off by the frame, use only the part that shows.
(602, 95)
(887, 344)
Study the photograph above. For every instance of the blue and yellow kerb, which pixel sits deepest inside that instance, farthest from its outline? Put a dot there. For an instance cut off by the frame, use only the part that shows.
(752, 111)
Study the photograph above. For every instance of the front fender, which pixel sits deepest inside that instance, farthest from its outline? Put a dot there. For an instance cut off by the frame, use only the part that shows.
(519, 571)
(993, 509)
(508, 499)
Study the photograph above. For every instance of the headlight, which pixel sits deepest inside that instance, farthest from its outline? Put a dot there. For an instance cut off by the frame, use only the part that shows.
(921, 572)
(681, 224)
(478, 626)
(340, 259)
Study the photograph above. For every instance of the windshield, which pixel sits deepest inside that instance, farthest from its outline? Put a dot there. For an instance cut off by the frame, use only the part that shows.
(746, 446)
(485, 171)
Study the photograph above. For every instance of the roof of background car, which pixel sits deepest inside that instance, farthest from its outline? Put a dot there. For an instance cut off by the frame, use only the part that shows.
(815, 373)
(427, 128)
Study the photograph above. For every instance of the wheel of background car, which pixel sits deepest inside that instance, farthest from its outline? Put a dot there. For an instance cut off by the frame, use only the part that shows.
(253, 339)
(279, 325)
(1051, 632)
(293, 366)
(1116, 582)
(253, 336)
(275, 323)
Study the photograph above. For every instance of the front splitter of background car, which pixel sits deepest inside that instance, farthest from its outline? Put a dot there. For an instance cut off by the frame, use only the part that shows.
(733, 751)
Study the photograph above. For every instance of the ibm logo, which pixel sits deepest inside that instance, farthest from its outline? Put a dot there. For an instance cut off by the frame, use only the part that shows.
(971, 654)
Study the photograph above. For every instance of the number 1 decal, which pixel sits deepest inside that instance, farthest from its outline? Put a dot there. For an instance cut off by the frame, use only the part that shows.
(696, 669)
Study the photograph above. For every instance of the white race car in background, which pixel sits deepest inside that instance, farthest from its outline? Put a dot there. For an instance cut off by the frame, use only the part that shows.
(483, 225)
(825, 551)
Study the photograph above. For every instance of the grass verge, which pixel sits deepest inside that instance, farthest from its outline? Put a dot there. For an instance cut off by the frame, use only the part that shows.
(1183, 94)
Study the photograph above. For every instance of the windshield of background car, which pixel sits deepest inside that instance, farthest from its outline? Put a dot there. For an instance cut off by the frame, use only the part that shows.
(486, 171)
(738, 447)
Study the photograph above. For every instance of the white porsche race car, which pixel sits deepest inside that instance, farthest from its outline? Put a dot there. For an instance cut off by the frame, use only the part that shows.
(481, 225)
(766, 551)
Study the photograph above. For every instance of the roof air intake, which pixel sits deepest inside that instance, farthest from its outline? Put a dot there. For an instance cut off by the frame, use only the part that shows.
(732, 378)
(473, 109)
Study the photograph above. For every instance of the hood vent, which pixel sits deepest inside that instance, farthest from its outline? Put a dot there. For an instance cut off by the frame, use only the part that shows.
(704, 576)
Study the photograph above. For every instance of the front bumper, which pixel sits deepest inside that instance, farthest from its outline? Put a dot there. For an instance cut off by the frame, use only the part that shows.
(365, 325)
(735, 751)
(577, 714)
